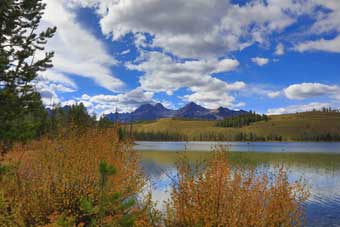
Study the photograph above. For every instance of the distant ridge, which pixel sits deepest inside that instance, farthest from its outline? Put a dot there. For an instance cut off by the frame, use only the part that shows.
(190, 111)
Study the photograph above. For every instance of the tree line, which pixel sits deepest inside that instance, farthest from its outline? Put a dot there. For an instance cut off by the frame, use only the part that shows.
(241, 120)
(321, 136)
(208, 136)
(159, 136)
(326, 110)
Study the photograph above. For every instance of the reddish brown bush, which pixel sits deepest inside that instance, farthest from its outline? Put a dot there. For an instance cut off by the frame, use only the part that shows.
(51, 177)
(219, 195)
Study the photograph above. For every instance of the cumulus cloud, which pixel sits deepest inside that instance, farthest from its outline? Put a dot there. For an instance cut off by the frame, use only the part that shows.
(280, 49)
(197, 28)
(50, 83)
(53, 76)
(260, 61)
(226, 65)
(211, 28)
(164, 74)
(298, 108)
(213, 99)
(273, 94)
(328, 45)
(310, 90)
(48, 92)
(327, 21)
(77, 51)
(187, 29)
(124, 102)
(203, 31)
(261, 91)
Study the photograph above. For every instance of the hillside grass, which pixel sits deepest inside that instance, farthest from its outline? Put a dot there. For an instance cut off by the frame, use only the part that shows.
(291, 127)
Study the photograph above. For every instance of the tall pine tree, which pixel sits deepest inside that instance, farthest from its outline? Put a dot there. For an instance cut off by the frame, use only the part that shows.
(21, 109)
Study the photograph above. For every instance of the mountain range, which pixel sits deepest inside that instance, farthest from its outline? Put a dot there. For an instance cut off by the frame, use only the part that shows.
(190, 111)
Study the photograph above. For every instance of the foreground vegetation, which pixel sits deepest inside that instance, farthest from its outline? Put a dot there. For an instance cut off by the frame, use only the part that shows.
(94, 179)
(218, 195)
(90, 179)
(309, 126)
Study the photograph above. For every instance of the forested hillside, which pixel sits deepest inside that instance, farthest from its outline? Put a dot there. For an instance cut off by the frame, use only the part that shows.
(308, 126)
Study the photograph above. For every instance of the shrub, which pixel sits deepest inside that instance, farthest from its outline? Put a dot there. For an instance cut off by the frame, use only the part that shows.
(218, 195)
(57, 181)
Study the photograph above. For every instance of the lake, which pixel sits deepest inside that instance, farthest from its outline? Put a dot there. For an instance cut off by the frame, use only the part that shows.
(317, 163)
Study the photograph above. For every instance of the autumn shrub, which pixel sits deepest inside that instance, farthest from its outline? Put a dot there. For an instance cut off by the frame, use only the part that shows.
(90, 179)
(215, 194)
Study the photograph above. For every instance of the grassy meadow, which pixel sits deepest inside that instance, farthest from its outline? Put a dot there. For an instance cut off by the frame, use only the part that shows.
(308, 126)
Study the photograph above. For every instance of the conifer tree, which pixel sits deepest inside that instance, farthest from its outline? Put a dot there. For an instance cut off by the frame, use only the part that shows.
(21, 109)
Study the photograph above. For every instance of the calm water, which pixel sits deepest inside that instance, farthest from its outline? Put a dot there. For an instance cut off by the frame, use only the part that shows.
(308, 147)
(317, 163)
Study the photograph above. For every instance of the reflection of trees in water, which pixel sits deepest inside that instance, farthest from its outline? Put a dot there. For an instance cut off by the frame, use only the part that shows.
(321, 172)
(154, 169)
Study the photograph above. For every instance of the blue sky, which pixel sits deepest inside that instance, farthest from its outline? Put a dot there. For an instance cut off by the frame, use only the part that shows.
(271, 56)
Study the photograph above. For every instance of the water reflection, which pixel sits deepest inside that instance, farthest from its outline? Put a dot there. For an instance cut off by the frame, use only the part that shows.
(321, 171)
(308, 147)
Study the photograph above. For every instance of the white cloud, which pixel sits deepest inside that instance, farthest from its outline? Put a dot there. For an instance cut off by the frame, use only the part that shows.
(125, 102)
(197, 28)
(261, 91)
(61, 88)
(280, 49)
(125, 52)
(85, 97)
(274, 94)
(260, 61)
(164, 74)
(48, 93)
(187, 29)
(327, 21)
(310, 90)
(77, 51)
(328, 45)
(226, 65)
(212, 99)
(52, 76)
(104, 104)
(298, 108)
(50, 83)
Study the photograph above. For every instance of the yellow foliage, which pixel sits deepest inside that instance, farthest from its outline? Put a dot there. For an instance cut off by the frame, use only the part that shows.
(48, 179)
(52, 176)
(222, 196)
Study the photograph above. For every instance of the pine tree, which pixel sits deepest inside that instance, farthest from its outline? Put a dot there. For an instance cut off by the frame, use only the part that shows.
(21, 109)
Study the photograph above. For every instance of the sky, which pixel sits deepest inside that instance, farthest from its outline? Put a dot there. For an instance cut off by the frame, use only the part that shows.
(269, 56)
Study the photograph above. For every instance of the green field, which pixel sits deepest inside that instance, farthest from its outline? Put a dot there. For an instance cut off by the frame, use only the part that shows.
(309, 126)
